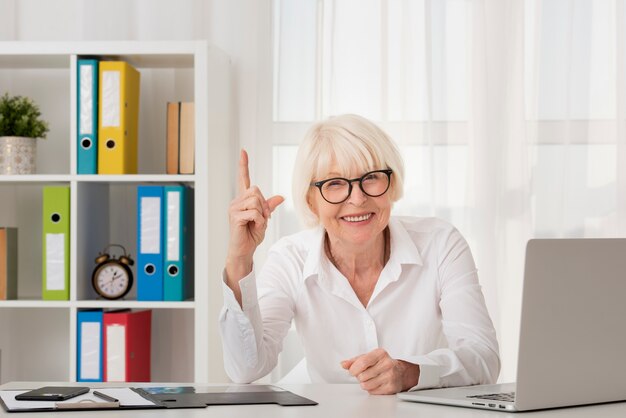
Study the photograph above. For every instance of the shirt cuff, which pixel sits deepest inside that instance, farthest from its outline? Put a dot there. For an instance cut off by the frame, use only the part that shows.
(429, 372)
(249, 298)
(429, 377)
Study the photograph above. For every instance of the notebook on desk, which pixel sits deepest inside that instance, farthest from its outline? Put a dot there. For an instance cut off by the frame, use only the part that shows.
(572, 339)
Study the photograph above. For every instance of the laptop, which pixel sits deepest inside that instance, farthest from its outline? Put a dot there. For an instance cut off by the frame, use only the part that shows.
(572, 341)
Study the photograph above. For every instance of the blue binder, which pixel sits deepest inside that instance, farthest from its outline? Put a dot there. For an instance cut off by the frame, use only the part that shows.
(89, 346)
(87, 117)
(150, 242)
(174, 272)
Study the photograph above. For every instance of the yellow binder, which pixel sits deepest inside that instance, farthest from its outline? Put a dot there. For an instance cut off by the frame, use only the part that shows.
(118, 118)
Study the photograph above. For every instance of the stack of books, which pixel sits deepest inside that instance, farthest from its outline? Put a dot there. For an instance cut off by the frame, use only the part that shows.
(180, 138)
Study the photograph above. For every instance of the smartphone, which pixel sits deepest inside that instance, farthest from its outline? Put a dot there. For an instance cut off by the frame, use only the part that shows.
(52, 393)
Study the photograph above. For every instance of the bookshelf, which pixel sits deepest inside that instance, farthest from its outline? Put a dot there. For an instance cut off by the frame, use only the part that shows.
(38, 338)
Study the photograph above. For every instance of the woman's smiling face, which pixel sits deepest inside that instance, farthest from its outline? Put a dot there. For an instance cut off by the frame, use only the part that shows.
(359, 219)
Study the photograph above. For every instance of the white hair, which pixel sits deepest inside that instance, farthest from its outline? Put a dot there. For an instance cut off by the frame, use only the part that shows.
(352, 143)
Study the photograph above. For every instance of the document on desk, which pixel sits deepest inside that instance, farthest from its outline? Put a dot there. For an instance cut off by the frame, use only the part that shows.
(171, 397)
(122, 398)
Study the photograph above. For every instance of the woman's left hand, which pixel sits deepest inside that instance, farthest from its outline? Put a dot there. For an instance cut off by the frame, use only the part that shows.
(379, 374)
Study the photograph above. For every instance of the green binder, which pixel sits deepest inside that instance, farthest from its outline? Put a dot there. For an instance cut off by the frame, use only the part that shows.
(56, 243)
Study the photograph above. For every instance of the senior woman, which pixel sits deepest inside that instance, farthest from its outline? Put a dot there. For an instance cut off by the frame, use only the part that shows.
(391, 303)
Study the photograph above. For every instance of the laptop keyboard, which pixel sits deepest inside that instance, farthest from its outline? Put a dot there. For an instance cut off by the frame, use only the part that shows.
(505, 397)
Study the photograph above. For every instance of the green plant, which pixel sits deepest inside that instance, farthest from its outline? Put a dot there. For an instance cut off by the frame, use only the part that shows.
(20, 116)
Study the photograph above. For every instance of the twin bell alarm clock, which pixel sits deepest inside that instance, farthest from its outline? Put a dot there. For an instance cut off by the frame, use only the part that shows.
(112, 277)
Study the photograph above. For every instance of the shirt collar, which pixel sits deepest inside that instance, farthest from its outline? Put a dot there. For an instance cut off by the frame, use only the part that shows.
(316, 255)
(403, 249)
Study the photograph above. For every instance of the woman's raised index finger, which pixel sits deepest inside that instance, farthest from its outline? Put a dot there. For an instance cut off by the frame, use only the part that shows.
(244, 173)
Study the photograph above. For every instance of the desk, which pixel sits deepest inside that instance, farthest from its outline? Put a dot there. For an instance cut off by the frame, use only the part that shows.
(346, 401)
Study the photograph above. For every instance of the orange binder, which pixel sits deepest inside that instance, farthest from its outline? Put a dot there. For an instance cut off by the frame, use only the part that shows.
(118, 118)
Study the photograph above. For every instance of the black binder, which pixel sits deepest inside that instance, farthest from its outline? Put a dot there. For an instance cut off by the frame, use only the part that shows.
(200, 397)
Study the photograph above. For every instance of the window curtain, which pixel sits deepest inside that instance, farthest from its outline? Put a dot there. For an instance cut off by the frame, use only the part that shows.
(510, 115)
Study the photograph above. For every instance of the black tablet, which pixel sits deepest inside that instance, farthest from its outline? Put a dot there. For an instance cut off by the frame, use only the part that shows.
(52, 393)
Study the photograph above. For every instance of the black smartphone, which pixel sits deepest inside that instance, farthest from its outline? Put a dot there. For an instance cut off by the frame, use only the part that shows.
(52, 393)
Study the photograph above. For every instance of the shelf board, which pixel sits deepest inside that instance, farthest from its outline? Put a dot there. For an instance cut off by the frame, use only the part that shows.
(141, 54)
(134, 304)
(108, 304)
(43, 61)
(96, 178)
(34, 303)
(34, 178)
(135, 178)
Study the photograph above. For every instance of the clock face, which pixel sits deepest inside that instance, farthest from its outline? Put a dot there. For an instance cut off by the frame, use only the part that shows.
(112, 281)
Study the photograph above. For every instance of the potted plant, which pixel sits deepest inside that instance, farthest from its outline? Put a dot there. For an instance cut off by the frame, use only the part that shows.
(20, 126)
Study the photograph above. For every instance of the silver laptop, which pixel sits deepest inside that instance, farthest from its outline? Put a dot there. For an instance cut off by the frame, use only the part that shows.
(572, 344)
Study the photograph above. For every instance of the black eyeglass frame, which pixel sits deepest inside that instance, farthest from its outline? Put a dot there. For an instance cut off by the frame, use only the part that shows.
(321, 183)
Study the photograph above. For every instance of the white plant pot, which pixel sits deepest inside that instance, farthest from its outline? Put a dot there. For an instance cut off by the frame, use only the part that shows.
(17, 155)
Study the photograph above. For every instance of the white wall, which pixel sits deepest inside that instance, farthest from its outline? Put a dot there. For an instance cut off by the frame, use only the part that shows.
(231, 25)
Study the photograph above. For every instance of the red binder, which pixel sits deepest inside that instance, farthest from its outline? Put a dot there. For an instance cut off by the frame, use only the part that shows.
(126, 346)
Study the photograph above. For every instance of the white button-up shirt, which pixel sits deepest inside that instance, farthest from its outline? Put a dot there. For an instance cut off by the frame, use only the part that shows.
(427, 308)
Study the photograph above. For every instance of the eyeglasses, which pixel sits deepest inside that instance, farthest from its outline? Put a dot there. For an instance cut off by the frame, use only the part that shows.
(338, 189)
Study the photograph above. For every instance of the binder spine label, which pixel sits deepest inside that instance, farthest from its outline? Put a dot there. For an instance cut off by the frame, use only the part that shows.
(116, 353)
(90, 348)
(55, 261)
(173, 226)
(111, 99)
(150, 225)
(86, 100)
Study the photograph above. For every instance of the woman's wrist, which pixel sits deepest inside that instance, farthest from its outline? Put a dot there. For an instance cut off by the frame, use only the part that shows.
(238, 267)
(410, 374)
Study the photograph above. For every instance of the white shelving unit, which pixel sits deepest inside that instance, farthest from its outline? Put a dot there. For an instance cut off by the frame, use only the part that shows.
(37, 337)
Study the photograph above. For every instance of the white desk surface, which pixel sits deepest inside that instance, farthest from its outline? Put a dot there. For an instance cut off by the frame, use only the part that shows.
(344, 401)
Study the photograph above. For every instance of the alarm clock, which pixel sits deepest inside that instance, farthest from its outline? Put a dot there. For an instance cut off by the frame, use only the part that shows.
(112, 277)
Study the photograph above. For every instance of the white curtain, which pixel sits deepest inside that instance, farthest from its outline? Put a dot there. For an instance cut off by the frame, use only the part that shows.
(510, 113)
